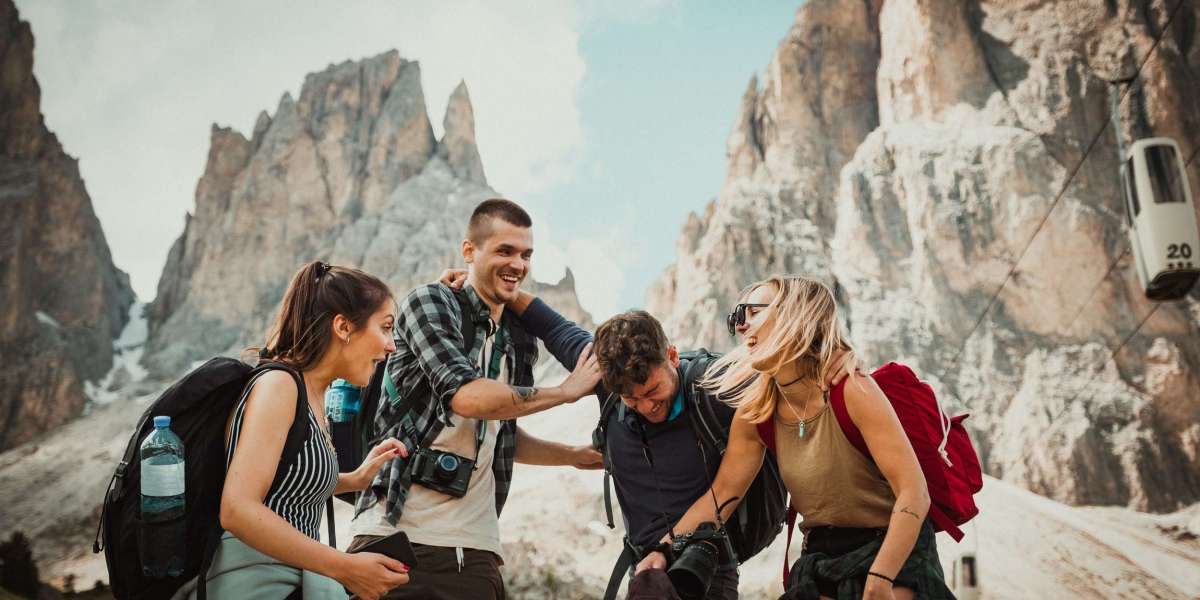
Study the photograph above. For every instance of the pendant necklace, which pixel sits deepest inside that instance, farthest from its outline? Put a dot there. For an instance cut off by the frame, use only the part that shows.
(799, 419)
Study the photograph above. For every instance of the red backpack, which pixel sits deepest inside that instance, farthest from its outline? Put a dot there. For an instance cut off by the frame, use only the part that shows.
(941, 444)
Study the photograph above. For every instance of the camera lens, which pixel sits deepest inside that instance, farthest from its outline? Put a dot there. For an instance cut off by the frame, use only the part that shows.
(692, 572)
(447, 466)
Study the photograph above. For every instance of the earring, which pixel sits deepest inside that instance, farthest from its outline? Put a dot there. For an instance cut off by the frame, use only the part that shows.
(346, 340)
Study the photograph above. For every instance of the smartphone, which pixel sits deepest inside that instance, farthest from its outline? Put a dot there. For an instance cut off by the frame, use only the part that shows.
(394, 546)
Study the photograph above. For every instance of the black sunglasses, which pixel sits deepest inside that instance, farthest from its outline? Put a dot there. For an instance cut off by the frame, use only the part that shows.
(738, 316)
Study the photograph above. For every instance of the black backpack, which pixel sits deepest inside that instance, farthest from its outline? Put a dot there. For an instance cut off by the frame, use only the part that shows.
(353, 440)
(199, 406)
(761, 514)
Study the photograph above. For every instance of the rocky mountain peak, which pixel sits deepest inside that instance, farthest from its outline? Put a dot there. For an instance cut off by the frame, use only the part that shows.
(911, 153)
(458, 147)
(742, 148)
(21, 129)
(64, 300)
(349, 172)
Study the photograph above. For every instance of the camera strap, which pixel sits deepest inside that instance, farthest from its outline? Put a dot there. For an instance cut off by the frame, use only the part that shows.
(490, 365)
(649, 456)
(692, 394)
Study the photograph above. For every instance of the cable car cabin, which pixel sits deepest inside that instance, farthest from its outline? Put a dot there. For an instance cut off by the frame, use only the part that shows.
(964, 579)
(1162, 219)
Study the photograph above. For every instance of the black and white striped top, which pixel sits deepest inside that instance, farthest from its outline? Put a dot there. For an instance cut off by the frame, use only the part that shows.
(312, 473)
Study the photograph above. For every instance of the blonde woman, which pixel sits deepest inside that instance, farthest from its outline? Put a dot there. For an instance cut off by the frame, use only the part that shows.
(864, 520)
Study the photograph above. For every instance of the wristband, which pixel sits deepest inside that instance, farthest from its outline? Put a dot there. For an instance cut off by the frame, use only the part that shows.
(883, 577)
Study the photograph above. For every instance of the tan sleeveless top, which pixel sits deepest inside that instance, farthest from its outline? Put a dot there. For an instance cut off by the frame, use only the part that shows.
(830, 481)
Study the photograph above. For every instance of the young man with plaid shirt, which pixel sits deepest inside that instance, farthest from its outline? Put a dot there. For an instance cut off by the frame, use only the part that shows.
(465, 402)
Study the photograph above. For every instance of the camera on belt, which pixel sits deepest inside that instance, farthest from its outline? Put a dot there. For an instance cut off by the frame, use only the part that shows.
(694, 558)
(438, 470)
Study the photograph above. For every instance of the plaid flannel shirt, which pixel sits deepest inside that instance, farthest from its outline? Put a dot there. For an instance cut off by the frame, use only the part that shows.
(427, 369)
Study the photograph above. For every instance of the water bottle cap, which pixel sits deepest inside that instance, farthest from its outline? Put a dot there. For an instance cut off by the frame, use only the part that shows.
(342, 383)
(162, 421)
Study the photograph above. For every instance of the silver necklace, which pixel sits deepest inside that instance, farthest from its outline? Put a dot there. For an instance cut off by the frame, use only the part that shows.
(799, 419)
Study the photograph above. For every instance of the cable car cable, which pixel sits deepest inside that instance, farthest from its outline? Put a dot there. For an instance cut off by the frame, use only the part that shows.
(1058, 197)
(1111, 357)
(1115, 261)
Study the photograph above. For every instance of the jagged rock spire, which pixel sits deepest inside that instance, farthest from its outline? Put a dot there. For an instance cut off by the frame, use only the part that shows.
(64, 300)
(458, 146)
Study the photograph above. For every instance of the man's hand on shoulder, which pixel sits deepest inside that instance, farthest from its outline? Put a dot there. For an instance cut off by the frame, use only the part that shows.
(844, 368)
(453, 278)
(587, 458)
(582, 381)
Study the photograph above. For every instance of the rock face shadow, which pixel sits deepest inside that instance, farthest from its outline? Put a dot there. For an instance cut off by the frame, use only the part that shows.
(1006, 69)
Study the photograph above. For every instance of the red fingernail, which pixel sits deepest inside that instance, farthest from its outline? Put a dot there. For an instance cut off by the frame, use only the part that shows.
(395, 451)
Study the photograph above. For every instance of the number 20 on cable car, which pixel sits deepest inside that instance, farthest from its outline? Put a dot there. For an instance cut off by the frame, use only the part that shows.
(1162, 219)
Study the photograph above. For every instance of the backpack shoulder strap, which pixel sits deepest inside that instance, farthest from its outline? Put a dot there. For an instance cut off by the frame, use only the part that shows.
(607, 406)
(297, 435)
(600, 442)
(791, 527)
(468, 319)
(703, 418)
(620, 569)
(837, 401)
(766, 433)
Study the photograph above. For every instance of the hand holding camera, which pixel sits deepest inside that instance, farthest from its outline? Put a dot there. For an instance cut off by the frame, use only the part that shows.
(653, 560)
(693, 558)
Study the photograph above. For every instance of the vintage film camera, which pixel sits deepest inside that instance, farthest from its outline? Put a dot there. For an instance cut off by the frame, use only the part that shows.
(441, 471)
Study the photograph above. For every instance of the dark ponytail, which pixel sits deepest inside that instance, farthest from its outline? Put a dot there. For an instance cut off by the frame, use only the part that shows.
(318, 293)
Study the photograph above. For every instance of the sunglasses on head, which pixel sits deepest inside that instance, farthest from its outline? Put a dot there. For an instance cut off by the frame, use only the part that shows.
(738, 316)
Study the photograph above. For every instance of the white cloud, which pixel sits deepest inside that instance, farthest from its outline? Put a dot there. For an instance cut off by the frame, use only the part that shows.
(599, 262)
(131, 89)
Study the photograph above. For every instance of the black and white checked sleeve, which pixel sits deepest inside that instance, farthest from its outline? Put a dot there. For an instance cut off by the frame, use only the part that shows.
(432, 328)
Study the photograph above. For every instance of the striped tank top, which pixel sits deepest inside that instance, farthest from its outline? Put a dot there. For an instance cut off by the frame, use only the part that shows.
(310, 477)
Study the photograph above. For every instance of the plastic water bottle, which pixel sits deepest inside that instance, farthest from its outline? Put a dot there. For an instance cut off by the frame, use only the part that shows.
(341, 402)
(162, 535)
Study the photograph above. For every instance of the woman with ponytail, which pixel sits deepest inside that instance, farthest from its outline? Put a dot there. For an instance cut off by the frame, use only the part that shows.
(333, 323)
(864, 520)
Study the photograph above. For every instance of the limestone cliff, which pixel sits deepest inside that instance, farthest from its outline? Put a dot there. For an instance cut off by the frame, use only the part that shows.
(64, 300)
(349, 172)
(907, 152)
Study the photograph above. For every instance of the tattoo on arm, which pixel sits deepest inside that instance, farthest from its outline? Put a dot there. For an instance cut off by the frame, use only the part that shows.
(906, 510)
(522, 395)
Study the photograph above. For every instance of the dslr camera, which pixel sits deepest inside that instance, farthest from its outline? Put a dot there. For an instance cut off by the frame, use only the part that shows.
(440, 471)
(696, 558)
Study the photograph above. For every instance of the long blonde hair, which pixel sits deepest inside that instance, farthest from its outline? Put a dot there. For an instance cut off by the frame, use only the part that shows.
(805, 331)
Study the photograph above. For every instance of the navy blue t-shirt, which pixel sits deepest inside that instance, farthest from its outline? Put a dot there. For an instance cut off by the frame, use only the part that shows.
(678, 464)
(680, 468)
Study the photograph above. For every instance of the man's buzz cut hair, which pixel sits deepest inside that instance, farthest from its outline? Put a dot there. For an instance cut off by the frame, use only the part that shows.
(479, 228)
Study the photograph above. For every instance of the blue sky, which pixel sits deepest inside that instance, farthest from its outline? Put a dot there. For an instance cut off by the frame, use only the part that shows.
(606, 119)
(659, 97)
